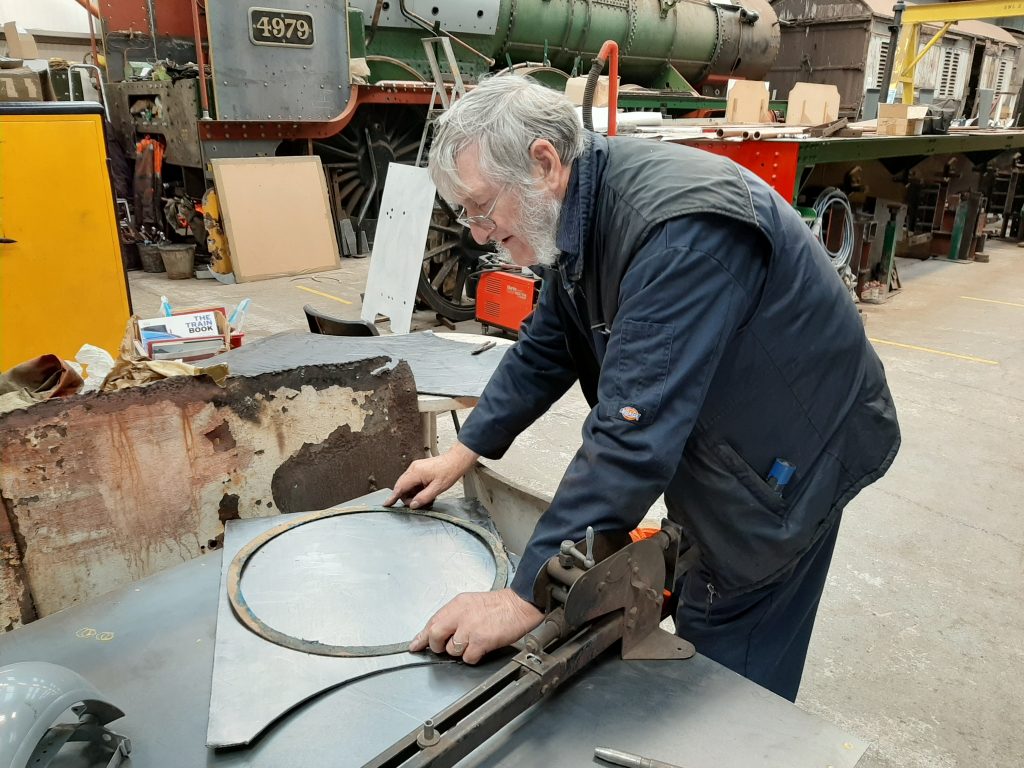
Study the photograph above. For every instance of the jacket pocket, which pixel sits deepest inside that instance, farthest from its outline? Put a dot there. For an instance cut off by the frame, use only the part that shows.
(751, 480)
(645, 350)
(742, 526)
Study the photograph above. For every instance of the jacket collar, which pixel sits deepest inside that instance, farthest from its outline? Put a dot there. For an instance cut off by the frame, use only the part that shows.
(578, 205)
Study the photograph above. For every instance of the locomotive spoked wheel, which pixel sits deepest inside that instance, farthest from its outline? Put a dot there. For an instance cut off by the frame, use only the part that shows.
(357, 161)
(450, 259)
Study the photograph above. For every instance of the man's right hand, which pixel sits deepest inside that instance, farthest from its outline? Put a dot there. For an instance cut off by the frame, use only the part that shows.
(426, 479)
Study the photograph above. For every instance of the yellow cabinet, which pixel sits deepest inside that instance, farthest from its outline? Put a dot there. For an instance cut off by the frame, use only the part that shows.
(62, 282)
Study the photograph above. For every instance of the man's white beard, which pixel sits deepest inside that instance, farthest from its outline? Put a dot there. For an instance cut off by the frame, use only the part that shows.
(537, 225)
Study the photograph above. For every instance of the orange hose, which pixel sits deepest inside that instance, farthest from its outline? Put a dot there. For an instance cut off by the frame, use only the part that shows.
(610, 53)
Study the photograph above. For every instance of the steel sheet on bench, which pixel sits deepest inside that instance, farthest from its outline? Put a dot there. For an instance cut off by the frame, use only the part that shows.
(353, 580)
(440, 366)
(157, 662)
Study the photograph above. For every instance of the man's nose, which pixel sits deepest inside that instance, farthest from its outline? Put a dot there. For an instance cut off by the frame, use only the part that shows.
(480, 233)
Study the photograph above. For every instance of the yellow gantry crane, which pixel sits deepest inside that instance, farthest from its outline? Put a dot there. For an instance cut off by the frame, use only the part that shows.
(910, 18)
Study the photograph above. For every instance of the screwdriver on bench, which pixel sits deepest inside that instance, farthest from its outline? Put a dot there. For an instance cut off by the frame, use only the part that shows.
(628, 760)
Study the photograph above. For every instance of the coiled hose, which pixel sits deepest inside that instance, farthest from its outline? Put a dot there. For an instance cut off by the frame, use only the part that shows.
(588, 93)
(830, 197)
(610, 50)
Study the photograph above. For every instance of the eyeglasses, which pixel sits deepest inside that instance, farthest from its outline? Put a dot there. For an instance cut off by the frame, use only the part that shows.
(485, 221)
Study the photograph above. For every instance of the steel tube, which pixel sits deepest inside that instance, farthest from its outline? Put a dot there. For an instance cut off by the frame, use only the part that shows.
(152, 29)
(92, 9)
(204, 97)
(92, 40)
(610, 51)
(894, 36)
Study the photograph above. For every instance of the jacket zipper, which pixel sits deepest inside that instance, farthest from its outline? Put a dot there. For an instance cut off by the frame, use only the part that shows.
(712, 593)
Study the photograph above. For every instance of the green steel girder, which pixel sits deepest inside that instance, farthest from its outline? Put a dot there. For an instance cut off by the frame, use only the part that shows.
(679, 102)
(839, 150)
(978, 148)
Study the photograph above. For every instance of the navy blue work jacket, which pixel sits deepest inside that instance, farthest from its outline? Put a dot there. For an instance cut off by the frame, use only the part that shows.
(711, 337)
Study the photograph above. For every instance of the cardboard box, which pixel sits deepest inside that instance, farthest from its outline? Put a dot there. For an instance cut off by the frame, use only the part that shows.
(20, 45)
(575, 86)
(901, 119)
(20, 84)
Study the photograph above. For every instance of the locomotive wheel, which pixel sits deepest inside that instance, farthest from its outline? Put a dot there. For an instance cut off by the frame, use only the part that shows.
(357, 163)
(451, 257)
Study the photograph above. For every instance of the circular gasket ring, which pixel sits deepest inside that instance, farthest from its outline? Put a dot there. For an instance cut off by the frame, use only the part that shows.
(248, 617)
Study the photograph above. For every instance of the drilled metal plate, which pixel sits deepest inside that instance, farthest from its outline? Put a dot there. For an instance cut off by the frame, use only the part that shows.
(358, 579)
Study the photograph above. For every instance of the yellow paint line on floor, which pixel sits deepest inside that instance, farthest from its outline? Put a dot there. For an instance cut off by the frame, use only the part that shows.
(935, 351)
(321, 293)
(994, 301)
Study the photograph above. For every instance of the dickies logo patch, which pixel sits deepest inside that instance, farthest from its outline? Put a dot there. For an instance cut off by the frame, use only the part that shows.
(629, 413)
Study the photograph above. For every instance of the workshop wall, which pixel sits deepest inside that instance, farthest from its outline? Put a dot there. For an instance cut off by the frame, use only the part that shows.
(104, 489)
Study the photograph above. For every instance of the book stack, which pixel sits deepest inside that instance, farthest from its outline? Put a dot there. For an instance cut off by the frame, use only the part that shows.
(186, 336)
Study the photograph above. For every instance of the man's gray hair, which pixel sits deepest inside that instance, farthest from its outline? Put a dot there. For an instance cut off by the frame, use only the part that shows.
(503, 116)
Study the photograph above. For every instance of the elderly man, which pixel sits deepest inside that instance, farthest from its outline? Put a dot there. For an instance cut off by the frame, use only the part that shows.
(722, 359)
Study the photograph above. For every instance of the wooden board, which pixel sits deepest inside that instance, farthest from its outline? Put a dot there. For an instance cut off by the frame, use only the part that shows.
(812, 104)
(747, 102)
(277, 216)
(100, 490)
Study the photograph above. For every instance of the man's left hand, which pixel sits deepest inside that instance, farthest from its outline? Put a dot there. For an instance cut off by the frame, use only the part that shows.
(475, 623)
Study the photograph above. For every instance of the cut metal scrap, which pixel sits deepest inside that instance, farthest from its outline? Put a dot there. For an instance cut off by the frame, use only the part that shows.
(245, 614)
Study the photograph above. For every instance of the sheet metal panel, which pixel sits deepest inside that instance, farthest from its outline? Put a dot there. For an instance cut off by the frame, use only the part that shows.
(832, 54)
(253, 81)
(156, 666)
(403, 225)
(173, 19)
(439, 366)
(351, 580)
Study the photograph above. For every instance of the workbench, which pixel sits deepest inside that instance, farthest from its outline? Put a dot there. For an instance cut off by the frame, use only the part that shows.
(786, 163)
(149, 648)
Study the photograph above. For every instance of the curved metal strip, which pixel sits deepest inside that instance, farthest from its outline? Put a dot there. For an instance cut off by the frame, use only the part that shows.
(248, 617)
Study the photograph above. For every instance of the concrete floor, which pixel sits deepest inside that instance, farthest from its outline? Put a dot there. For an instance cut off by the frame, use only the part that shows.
(919, 645)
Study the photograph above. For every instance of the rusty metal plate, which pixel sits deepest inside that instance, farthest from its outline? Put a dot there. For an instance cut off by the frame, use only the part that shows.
(369, 579)
(195, 455)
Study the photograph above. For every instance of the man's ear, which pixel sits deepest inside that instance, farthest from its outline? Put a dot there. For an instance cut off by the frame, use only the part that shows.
(544, 154)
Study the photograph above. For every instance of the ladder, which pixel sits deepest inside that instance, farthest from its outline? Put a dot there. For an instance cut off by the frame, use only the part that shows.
(439, 96)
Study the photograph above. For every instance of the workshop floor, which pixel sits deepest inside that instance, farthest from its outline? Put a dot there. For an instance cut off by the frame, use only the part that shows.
(919, 645)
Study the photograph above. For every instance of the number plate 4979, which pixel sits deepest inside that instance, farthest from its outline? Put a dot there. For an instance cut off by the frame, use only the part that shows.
(271, 26)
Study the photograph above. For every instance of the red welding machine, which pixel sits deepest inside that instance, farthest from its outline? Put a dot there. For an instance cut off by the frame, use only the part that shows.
(504, 299)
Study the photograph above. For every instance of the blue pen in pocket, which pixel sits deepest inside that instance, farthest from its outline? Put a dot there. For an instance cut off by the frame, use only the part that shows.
(780, 475)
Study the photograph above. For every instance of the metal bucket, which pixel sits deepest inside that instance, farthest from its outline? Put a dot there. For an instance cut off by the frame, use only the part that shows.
(151, 259)
(179, 260)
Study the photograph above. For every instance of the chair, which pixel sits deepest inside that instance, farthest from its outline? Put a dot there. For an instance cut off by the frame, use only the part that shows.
(335, 326)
